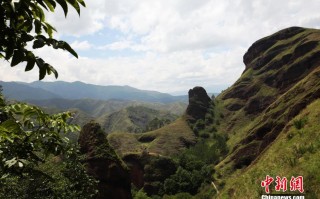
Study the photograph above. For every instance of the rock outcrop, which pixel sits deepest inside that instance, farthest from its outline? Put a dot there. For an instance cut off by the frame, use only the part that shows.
(280, 79)
(103, 164)
(199, 103)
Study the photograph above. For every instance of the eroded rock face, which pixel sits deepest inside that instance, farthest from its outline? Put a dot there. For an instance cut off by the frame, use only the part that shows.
(199, 103)
(262, 45)
(103, 164)
(281, 78)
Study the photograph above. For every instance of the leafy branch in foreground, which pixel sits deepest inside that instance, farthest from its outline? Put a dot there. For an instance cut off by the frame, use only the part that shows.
(29, 135)
(19, 19)
(29, 141)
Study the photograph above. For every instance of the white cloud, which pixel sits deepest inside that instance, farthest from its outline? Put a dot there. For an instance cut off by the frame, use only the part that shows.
(90, 20)
(184, 43)
(178, 71)
(81, 45)
(123, 45)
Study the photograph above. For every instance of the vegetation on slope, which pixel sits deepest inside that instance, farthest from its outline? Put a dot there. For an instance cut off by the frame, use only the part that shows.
(294, 153)
(168, 140)
(135, 119)
(281, 79)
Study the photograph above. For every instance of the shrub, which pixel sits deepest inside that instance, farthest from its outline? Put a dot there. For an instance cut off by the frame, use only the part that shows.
(299, 123)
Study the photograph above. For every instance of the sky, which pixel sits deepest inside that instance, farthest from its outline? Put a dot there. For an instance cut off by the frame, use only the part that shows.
(164, 45)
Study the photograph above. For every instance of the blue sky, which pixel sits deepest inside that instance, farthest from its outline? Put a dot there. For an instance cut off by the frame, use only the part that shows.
(165, 45)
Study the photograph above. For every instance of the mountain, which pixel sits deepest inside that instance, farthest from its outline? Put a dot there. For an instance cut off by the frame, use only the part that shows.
(266, 123)
(80, 90)
(114, 115)
(98, 108)
(168, 140)
(21, 91)
(135, 119)
(271, 116)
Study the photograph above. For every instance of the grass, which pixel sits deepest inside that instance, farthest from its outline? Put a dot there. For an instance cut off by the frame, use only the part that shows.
(168, 140)
(296, 150)
(298, 156)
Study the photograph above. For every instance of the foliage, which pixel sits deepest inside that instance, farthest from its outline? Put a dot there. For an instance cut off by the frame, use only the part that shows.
(179, 196)
(18, 21)
(192, 172)
(187, 180)
(157, 123)
(297, 156)
(55, 178)
(140, 195)
(29, 135)
(156, 171)
(78, 184)
(299, 123)
(29, 139)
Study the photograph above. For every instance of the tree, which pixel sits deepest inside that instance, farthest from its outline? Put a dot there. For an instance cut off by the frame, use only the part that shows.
(19, 19)
(29, 137)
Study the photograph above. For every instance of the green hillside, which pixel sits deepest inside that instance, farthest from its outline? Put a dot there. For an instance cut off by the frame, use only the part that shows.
(167, 141)
(294, 153)
(98, 108)
(116, 115)
(267, 123)
(271, 115)
(135, 119)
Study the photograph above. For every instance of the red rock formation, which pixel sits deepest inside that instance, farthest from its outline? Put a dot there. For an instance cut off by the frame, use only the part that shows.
(103, 164)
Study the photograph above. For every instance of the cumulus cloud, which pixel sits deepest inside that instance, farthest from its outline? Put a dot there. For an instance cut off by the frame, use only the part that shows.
(179, 43)
(81, 45)
(123, 45)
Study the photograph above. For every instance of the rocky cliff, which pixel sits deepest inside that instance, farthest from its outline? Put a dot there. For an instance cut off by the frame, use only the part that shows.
(199, 103)
(281, 79)
(103, 164)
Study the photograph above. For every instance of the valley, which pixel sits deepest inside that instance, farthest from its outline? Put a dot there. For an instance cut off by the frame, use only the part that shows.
(146, 144)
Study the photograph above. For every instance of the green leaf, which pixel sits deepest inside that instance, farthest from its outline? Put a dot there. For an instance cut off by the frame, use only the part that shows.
(37, 25)
(75, 5)
(18, 57)
(31, 60)
(50, 5)
(42, 4)
(42, 68)
(64, 6)
(49, 29)
(42, 73)
(10, 163)
(27, 37)
(82, 3)
(40, 13)
(67, 47)
(30, 65)
(39, 43)
(28, 26)
(53, 70)
(11, 127)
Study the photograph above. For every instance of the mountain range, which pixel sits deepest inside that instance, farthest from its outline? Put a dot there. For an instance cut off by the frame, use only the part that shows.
(40, 90)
